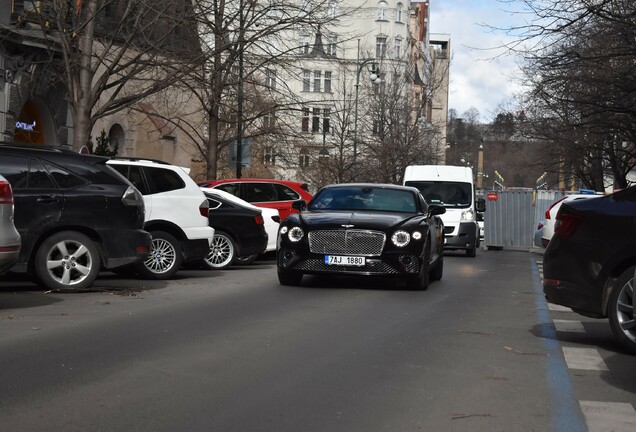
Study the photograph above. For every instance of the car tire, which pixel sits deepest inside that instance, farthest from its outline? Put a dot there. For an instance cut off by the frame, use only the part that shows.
(421, 283)
(246, 260)
(222, 253)
(289, 278)
(165, 257)
(438, 270)
(621, 310)
(67, 260)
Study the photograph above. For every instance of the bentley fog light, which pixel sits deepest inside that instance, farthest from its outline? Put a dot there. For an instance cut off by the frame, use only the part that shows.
(401, 238)
(296, 234)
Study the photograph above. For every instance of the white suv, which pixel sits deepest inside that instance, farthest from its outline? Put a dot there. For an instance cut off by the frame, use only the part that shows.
(176, 214)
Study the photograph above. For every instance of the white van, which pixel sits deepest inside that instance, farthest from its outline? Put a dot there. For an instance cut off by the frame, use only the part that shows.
(452, 187)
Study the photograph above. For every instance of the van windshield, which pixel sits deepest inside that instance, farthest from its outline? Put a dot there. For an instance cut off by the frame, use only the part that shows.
(448, 194)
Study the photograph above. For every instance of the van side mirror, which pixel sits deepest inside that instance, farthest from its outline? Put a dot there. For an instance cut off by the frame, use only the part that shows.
(299, 205)
(480, 205)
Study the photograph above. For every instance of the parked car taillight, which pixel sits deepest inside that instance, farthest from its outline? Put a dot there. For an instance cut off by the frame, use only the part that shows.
(6, 194)
(258, 219)
(204, 208)
(132, 197)
(566, 224)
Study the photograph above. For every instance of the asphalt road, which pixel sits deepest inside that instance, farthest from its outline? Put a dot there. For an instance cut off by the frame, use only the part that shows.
(234, 351)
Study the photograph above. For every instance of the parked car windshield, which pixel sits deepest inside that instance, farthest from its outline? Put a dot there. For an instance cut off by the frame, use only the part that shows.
(364, 198)
(448, 194)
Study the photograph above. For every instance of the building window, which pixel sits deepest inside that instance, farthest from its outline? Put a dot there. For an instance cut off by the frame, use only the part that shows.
(317, 79)
(398, 47)
(304, 158)
(270, 79)
(331, 45)
(333, 9)
(326, 112)
(398, 12)
(269, 157)
(382, 7)
(378, 127)
(306, 80)
(327, 82)
(269, 120)
(305, 120)
(315, 120)
(304, 44)
(380, 47)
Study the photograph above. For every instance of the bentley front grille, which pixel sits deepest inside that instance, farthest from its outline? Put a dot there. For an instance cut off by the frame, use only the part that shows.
(347, 242)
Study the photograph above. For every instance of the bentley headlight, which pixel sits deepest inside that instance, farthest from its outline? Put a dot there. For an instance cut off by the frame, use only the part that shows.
(284, 230)
(417, 235)
(295, 234)
(468, 215)
(401, 238)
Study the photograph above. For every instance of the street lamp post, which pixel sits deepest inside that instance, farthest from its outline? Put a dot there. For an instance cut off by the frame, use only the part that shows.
(374, 78)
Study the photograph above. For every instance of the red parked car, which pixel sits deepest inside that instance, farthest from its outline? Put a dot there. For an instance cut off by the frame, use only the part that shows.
(276, 194)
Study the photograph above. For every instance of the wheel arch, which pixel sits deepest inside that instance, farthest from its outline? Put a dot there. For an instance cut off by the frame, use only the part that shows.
(614, 274)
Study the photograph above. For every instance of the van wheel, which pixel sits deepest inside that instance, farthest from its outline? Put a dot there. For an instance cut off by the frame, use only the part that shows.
(67, 260)
(621, 310)
(165, 257)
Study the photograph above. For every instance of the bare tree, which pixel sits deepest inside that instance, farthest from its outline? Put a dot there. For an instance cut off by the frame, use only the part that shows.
(248, 47)
(115, 53)
(579, 70)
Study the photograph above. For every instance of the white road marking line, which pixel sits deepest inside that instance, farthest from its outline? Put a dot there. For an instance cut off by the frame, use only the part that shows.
(609, 416)
(558, 308)
(570, 326)
(584, 358)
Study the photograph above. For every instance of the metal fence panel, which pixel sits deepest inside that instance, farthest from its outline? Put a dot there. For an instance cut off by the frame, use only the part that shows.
(511, 220)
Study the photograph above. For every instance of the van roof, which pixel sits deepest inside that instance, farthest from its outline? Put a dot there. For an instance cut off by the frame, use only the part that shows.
(438, 173)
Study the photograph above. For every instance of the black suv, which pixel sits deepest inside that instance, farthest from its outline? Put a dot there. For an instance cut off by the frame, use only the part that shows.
(75, 215)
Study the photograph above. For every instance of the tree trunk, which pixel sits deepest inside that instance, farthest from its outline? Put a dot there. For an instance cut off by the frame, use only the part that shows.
(82, 123)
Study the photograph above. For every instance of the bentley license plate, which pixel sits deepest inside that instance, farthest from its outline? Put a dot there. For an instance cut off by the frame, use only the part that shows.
(344, 260)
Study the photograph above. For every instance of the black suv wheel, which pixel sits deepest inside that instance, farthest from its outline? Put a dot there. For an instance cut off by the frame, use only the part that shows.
(67, 260)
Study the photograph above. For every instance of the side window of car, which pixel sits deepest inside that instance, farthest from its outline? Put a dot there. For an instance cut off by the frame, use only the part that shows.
(260, 192)
(16, 170)
(214, 204)
(231, 188)
(286, 193)
(62, 177)
(134, 175)
(163, 180)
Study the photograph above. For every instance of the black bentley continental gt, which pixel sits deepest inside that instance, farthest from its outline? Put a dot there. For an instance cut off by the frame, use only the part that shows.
(364, 230)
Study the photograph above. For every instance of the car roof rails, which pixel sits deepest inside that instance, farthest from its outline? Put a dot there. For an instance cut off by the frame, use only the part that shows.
(139, 159)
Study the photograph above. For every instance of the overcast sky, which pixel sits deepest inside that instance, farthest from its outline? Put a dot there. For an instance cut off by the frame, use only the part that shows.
(477, 79)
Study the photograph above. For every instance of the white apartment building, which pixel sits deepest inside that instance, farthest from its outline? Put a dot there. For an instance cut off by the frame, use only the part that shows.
(332, 81)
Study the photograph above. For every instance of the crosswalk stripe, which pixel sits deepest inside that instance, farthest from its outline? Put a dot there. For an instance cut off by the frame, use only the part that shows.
(609, 416)
(570, 326)
(584, 358)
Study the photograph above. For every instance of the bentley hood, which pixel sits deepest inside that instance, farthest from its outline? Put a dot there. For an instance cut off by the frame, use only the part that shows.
(354, 219)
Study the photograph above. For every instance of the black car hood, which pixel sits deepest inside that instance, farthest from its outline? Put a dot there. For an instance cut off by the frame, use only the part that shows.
(354, 219)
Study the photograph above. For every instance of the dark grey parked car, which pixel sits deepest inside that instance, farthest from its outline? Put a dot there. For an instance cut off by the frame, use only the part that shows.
(75, 214)
(9, 236)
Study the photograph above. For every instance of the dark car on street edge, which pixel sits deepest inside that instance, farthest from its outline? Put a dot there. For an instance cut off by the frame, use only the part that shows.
(239, 230)
(590, 261)
(75, 215)
(363, 230)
